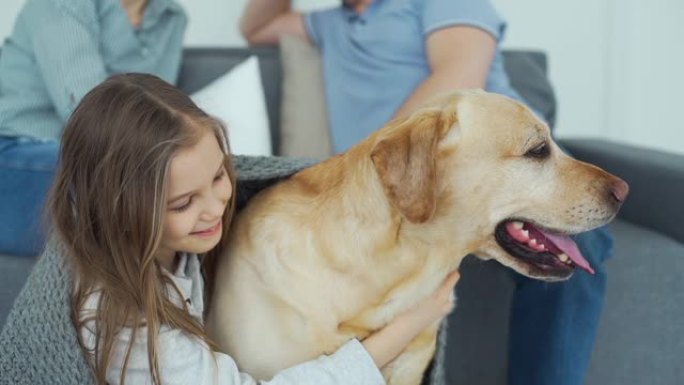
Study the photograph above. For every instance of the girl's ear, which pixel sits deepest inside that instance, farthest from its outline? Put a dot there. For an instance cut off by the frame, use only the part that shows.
(404, 160)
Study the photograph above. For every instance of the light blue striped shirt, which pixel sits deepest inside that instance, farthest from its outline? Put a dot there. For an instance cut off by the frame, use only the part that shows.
(60, 49)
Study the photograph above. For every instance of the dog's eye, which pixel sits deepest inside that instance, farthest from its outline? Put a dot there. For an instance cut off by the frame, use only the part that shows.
(540, 151)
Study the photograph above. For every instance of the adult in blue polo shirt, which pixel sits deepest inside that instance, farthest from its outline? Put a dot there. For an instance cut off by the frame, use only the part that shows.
(383, 58)
(374, 60)
(57, 52)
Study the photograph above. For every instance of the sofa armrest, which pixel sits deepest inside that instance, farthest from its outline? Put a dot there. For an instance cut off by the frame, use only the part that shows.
(527, 72)
(656, 181)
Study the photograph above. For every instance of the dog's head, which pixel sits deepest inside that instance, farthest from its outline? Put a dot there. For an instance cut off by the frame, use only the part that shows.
(484, 167)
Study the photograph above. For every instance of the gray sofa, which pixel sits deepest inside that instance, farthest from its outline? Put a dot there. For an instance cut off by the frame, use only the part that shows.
(641, 335)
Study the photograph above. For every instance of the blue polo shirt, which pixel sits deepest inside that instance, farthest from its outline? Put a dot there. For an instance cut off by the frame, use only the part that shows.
(373, 61)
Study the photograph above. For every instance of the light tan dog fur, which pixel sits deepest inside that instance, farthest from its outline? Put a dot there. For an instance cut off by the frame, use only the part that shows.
(339, 249)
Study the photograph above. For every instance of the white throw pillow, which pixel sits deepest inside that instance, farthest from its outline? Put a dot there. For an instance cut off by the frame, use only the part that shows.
(237, 99)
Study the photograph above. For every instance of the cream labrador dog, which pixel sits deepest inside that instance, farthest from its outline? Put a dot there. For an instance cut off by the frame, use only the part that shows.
(339, 249)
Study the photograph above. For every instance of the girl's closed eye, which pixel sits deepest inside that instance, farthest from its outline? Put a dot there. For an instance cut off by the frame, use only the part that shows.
(183, 207)
(186, 205)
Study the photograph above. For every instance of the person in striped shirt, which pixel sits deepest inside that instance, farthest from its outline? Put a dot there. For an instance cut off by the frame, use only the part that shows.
(59, 50)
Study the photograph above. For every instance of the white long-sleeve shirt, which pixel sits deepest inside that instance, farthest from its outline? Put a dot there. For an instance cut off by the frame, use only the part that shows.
(186, 359)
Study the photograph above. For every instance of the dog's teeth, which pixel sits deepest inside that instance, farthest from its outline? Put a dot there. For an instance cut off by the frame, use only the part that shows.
(525, 234)
(517, 225)
(563, 257)
(537, 246)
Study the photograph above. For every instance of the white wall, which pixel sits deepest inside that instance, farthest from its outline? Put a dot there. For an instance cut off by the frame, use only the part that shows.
(614, 63)
(572, 34)
(645, 79)
(220, 19)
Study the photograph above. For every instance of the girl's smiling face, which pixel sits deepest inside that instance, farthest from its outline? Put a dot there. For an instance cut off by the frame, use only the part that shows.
(199, 190)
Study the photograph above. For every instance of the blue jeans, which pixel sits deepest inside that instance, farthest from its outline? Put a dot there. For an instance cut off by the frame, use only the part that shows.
(27, 168)
(553, 325)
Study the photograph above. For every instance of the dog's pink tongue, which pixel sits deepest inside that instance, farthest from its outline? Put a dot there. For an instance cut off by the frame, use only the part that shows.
(570, 248)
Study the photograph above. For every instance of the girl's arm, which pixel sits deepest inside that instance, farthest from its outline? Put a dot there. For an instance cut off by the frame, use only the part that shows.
(185, 359)
(386, 344)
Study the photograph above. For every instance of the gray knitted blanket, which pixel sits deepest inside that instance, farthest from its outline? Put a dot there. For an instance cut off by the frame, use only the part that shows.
(38, 344)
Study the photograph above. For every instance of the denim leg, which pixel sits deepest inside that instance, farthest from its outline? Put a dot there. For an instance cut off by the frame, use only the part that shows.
(553, 325)
(26, 170)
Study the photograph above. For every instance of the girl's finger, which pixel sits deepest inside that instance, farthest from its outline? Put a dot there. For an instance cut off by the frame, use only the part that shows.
(451, 279)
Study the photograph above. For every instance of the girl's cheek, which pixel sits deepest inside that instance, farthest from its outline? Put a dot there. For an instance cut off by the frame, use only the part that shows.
(225, 189)
(181, 224)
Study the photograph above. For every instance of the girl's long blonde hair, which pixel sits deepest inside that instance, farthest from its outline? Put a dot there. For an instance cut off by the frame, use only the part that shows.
(108, 202)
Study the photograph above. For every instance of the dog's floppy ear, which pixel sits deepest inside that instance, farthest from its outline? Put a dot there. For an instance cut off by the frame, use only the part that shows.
(405, 159)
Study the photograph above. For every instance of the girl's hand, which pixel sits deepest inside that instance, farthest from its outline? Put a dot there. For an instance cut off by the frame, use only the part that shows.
(387, 343)
(434, 307)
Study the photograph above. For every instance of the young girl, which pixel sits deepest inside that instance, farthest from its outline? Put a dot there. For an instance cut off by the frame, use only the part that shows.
(143, 198)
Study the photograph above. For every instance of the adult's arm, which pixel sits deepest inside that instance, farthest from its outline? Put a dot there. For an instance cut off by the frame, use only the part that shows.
(265, 21)
(459, 57)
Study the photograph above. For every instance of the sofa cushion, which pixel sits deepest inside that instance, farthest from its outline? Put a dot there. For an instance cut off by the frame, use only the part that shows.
(640, 337)
(200, 66)
(13, 273)
(237, 99)
(303, 116)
